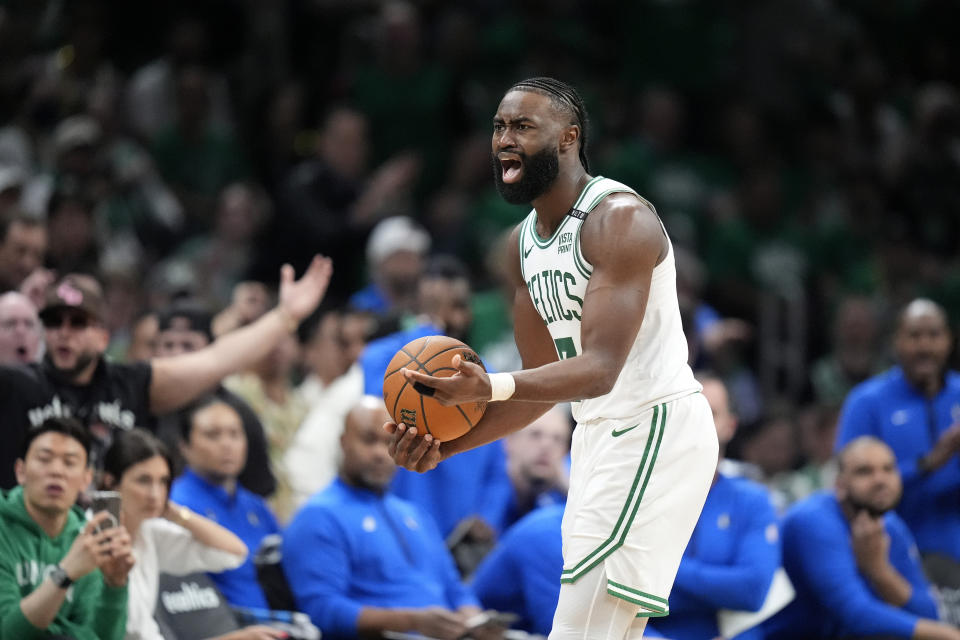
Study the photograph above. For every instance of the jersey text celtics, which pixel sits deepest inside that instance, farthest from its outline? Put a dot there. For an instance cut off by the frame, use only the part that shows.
(557, 274)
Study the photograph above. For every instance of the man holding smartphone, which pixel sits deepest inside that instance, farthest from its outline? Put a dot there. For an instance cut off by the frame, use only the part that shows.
(59, 576)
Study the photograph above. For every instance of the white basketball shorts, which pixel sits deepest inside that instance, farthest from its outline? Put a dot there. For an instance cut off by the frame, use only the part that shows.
(636, 491)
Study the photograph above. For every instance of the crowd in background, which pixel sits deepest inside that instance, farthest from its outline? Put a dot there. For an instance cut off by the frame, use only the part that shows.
(804, 157)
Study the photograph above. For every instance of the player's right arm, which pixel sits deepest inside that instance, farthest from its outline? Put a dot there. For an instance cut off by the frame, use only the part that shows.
(501, 418)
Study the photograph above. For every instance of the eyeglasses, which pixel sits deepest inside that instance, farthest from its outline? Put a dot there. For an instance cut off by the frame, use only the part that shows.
(72, 320)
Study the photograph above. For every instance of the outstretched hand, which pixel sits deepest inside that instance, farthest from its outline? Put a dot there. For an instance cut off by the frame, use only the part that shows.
(300, 297)
(412, 451)
(470, 384)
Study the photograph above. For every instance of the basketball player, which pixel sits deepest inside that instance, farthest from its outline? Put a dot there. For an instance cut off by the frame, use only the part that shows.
(597, 323)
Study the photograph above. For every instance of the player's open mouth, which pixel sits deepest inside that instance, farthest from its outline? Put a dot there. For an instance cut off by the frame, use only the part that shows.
(512, 168)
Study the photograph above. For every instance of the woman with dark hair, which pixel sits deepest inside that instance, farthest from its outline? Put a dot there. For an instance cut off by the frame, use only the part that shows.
(167, 537)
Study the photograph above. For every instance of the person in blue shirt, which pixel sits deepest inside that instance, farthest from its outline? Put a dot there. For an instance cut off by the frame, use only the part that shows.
(360, 560)
(915, 409)
(734, 550)
(537, 464)
(852, 560)
(214, 446)
(475, 491)
(396, 250)
(522, 573)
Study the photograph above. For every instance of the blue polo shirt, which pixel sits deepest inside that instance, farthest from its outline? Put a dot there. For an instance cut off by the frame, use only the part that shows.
(348, 548)
(728, 564)
(522, 573)
(472, 483)
(244, 513)
(833, 599)
(886, 406)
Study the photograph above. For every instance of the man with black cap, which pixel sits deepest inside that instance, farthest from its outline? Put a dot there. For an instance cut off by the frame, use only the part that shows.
(75, 380)
(184, 327)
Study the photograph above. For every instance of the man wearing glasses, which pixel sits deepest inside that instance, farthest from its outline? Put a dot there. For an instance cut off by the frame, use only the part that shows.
(75, 380)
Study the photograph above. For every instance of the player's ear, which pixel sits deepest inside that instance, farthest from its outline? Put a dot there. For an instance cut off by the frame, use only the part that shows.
(569, 138)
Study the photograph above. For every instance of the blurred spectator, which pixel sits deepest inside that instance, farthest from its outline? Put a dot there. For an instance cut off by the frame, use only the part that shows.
(771, 448)
(215, 448)
(195, 156)
(61, 576)
(77, 167)
(151, 100)
(267, 387)
(138, 209)
(167, 537)
(23, 249)
(511, 578)
(491, 331)
(143, 338)
(714, 340)
(329, 203)
(249, 301)
(854, 354)
(399, 84)
(474, 492)
(185, 328)
(74, 246)
(395, 256)
(20, 340)
(915, 408)
(757, 248)
(12, 179)
(76, 380)
(853, 561)
(221, 259)
(929, 184)
(818, 432)
(537, 464)
(361, 560)
(734, 551)
(332, 387)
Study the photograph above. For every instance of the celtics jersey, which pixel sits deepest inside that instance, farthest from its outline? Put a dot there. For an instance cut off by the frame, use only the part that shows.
(557, 274)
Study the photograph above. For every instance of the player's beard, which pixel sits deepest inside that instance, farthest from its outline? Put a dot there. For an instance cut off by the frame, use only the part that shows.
(540, 170)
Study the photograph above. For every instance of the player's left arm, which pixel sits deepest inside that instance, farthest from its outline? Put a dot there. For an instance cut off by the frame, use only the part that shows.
(624, 241)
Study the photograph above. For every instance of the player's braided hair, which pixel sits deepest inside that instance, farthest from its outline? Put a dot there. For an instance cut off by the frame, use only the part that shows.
(565, 97)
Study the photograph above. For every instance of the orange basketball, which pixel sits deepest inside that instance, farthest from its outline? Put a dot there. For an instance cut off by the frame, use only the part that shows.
(433, 355)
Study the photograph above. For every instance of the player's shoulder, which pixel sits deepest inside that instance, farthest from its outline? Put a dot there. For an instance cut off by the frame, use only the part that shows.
(620, 209)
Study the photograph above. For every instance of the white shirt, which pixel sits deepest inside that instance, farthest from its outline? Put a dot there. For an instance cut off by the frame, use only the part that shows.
(164, 547)
(311, 460)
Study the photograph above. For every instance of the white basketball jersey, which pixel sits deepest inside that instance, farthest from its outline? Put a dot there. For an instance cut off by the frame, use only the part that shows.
(557, 274)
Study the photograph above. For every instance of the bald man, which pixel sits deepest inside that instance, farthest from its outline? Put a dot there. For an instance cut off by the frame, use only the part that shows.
(852, 560)
(20, 339)
(362, 561)
(915, 408)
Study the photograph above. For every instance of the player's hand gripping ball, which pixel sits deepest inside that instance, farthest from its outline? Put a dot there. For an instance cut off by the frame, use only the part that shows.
(432, 355)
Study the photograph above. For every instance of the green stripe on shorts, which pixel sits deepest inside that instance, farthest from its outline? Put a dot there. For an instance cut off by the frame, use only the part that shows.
(630, 507)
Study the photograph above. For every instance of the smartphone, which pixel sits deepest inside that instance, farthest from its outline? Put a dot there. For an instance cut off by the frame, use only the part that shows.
(490, 618)
(108, 501)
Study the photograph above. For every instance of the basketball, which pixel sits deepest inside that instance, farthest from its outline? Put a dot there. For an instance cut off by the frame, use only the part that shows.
(432, 355)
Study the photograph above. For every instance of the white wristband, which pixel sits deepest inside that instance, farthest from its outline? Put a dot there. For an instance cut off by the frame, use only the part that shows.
(502, 386)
